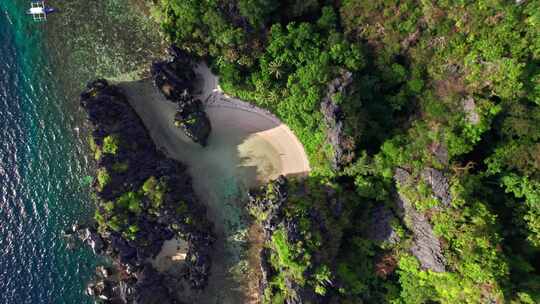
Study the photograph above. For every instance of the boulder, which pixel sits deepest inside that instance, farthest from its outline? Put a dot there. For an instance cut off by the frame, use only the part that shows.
(193, 120)
(175, 79)
(103, 272)
(92, 238)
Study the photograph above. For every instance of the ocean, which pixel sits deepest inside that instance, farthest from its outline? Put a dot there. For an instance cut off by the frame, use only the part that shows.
(44, 169)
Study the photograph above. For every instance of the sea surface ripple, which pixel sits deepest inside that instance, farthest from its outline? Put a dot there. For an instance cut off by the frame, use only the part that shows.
(42, 173)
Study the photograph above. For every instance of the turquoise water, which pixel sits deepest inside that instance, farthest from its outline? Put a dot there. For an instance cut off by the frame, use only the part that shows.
(42, 170)
(44, 167)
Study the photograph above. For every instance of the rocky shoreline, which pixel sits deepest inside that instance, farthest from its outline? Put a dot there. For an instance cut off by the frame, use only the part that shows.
(143, 199)
(294, 268)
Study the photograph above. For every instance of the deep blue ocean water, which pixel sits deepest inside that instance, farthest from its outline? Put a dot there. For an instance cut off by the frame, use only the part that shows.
(43, 171)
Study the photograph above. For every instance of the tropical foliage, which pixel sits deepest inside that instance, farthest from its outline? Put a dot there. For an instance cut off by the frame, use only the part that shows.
(450, 85)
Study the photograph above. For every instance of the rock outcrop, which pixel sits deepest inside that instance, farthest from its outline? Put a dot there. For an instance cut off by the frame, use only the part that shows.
(471, 111)
(426, 246)
(343, 145)
(144, 199)
(380, 229)
(269, 208)
(175, 78)
(439, 185)
(92, 238)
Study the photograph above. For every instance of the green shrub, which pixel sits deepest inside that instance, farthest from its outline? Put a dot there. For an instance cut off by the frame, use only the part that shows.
(155, 190)
(103, 178)
(110, 144)
(130, 201)
(287, 257)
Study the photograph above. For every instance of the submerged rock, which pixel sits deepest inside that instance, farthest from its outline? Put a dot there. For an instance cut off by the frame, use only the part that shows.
(426, 246)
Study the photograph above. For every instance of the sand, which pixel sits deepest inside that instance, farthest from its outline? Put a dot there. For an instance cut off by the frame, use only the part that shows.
(247, 146)
(173, 253)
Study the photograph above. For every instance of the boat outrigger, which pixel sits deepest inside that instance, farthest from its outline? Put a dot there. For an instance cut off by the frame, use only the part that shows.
(39, 11)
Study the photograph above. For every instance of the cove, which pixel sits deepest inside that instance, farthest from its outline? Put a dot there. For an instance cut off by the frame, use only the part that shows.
(247, 146)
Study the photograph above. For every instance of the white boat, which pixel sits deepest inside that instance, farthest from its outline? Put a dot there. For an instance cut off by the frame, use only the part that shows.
(39, 11)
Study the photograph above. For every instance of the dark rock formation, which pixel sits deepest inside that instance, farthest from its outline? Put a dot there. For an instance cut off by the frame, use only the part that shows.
(92, 238)
(192, 119)
(152, 288)
(426, 247)
(343, 145)
(177, 214)
(175, 78)
(269, 207)
(381, 229)
(266, 270)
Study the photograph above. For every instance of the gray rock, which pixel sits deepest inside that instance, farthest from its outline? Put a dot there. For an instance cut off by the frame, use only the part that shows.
(439, 185)
(426, 246)
(471, 112)
(93, 239)
(439, 152)
(381, 229)
(103, 272)
(343, 145)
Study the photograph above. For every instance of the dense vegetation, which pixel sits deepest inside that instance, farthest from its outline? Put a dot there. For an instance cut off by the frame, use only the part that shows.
(448, 85)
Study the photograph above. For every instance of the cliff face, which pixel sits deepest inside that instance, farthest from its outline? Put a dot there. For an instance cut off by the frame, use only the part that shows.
(144, 198)
(426, 246)
(343, 145)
